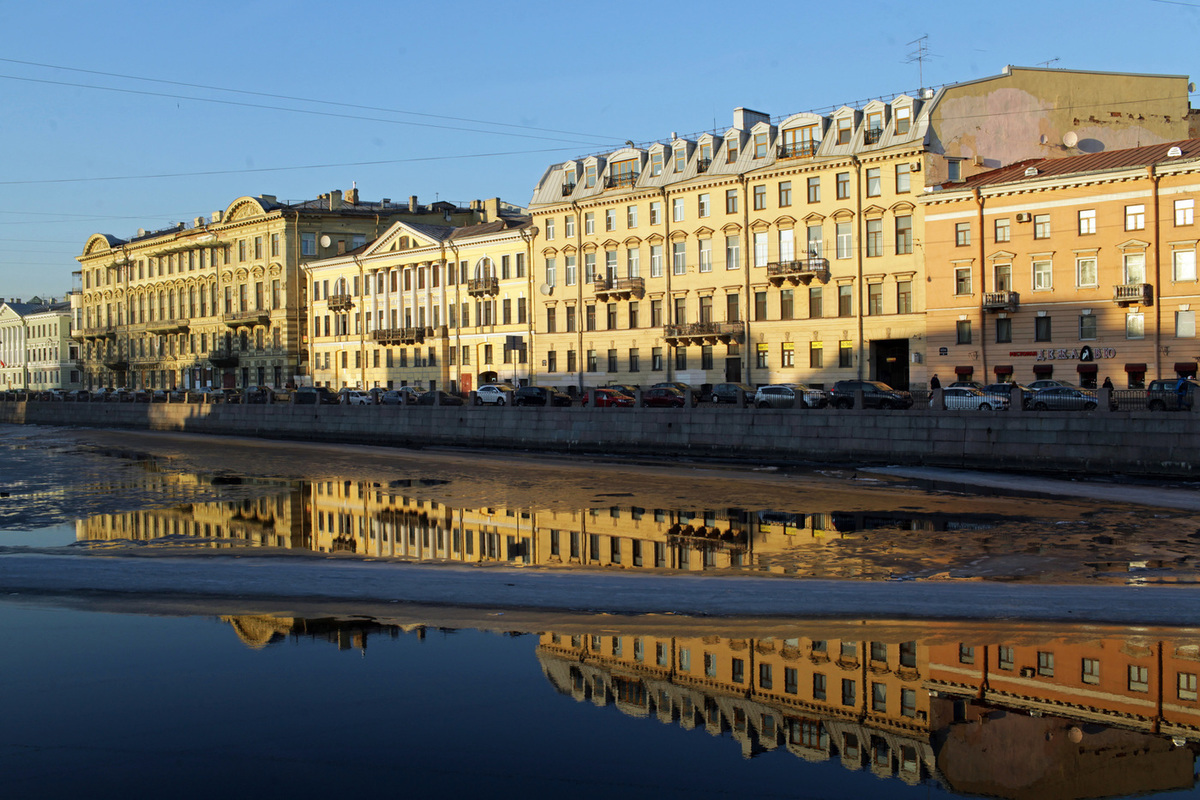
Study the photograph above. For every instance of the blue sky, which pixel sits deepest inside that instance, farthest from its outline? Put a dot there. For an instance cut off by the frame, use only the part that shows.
(495, 92)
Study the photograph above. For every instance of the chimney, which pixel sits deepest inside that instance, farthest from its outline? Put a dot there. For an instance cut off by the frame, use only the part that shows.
(412, 204)
(335, 200)
(198, 222)
(216, 216)
(352, 196)
(491, 209)
(744, 119)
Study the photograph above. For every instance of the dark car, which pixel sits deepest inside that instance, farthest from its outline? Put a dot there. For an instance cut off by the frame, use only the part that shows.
(663, 397)
(441, 398)
(728, 393)
(875, 395)
(624, 388)
(684, 388)
(610, 398)
(1005, 390)
(1162, 395)
(540, 396)
(1064, 398)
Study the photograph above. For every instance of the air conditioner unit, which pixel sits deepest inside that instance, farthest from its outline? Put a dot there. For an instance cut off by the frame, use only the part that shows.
(979, 161)
(1024, 216)
(916, 166)
(1027, 672)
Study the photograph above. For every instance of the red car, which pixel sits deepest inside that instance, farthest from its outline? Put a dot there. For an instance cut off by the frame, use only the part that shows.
(608, 398)
(662, 397)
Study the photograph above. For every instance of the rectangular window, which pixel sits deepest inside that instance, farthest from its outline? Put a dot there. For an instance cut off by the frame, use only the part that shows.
(762, 355)
(760, 305)
(1042, 276)
(786, 304)
(814, 190)
(760, 249)
(1135, 218)
(819, 686)
(634, 360)
(702, 206)
(1184, 210)
(706, 356)
(633, 262)
(874, 299)
(550, 229)
(610, 219)
(816, 355)
(845, 354)
(845, 240)
(962, 280)
(843, 130)
(1090, 669)
(874, 182)
(656, 313)
(677, 209)
(680, 311)
(589, 317)
(1185, 324)
(963, 330)
(1041, 226)
(679, 258)
(903, 119)
(589, 223)
(731, 201)
(631, 217)
(849, 692)
(733, 258)
(656, 212)
(815, 293)
(569, 226)
(787, 246)
(612, 360)
(1087, 326)
(816, 243)
(656, 163)
(633, 314)
(785, 194)
(1087, 222)
(308, 244)
(1003, 231)
(681, 360)
(789, 355)
(962, 234)
(904, 297)
(656, 261)
(1085, 271)
(1185, 683)
(904, 234)
(903, 178)
(551, 272)
(879, 697)
(589, 175)
(1003, 330)
(760, 197)
(656, 359)
(572, 267)
(1139, 678)
(551, 320)
(1135, 326)
(760, 145)
(843, 185)
(874, 238)
(1183, 265)
(1135, 268)
(705, 246)
(1043, 331)
(680, 154)
(1045, 664)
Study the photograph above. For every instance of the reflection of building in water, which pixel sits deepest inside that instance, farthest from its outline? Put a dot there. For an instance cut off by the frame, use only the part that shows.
(271, 520)
(259, 630)
(906, 710)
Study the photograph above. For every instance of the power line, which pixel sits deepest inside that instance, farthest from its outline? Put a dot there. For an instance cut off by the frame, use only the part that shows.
(302, 99)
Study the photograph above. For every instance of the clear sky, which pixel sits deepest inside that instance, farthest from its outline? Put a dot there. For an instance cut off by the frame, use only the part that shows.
(124, 115)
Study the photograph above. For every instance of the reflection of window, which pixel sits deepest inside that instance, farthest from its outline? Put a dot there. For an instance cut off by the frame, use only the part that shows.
(1045, 664)
(1085, 271)
(1186, 684)
(1135, 326)
(1004, 657)
(1091, 670)
(819, 685)
(1139, 678)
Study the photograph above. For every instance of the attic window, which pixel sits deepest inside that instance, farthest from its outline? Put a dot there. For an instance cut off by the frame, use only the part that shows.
(731, 148)
(589, 175)
(843, 131)
(1031, 171)
(903, 119)
(1174, 152)
(656, 163)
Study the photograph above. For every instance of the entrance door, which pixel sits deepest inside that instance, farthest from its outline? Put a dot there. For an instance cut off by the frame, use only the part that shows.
(889, 362)
(733, 370)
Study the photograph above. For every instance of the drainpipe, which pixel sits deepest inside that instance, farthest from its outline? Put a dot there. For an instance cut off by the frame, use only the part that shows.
(301, 308)
(362, 325)
(1154, 250)
(982, 287)
(458, 326)
(527, 236)
(580, 318)
(746, 356)
(858, 257)
(668, 271)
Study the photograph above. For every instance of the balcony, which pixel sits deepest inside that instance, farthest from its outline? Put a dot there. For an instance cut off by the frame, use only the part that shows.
(1126, 294)
(799, 271)
(101, 332)
(391, 336)
(619, 288)
(167, 326)
(872, 135)
(248, 319)
(116, 363)
(224, 358)
(702, 164)
(625, 180)
(477, 287)
(704, 333)
(798, 150)
(1001, 301)
(567, 188)
(339, 302)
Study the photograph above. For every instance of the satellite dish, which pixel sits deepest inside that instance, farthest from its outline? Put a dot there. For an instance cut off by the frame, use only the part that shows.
(326, 241)
(546, 289)
(1070, 138)
(1191, 87)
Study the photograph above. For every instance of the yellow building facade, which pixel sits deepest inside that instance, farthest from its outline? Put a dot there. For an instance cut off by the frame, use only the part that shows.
(1077, 269)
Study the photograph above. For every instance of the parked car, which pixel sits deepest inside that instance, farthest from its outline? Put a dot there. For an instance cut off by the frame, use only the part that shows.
(1005, 390)
(790, 395)
(968, 398)
(494, 394)
(1064, 398)
(684, 388)
(1046, 383)
(442, 398)
(540, 396)
(610, 398)
(410, 394)
(1161, 395)
(728, 393)
(260, 395)
(967, 384)
(875, 395)
(624, 388)
(231, 396)
(390, 397)
(354, 397)
(663, 397)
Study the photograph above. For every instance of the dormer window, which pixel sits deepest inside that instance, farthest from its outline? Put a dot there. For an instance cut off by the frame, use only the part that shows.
(589, 175)
(843, 130)
(874, 131)
(623, 173)
(656, 163)
(731, 148)
(760, 145)
(903, 119)
(680, 158)
(705, 156)
(799, 142)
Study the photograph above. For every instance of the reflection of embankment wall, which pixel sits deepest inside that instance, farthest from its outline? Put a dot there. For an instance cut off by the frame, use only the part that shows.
(1098, 442)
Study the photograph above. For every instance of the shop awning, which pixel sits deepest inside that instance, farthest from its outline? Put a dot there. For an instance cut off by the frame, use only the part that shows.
(1087, 369)
(1003, 369)
(963, 370)
(1135, 367)
(1185, 367)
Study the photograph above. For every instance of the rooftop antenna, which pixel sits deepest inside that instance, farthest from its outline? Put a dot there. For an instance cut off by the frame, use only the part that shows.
(920, 54)
(1046, 64)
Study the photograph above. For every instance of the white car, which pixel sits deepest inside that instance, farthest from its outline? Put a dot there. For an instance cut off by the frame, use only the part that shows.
(968, 398)
(354, 397)
(496, 394)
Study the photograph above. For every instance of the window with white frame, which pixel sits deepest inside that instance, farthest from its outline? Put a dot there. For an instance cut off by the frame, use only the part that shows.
(656, 261)
(1041, 226)
(656, 163)
(569, 226)
(1135, 218)
(1003, 230)
(572, 270)
(679, 257)
(1087, 222)
(962, 280)
(733, 252)
(903, 118)
(551, 271)
(589, 175)
(702, 206)
(1183, 265)
(787, 246)
(760, 249)
(550, 229)
(1042, 276)
(631, 215)
(610, 265)
(589, 267)
(705, 255)
(844, 240)
(1135, 268)
(816, 243)
(874, 182)
(677, 209)
(589, 223)
(1085, 271)
(1135, 325)
(1184, 212)
(633, 258)
(1185, 324)
(610, 219)
(903, 178)
(962, 234)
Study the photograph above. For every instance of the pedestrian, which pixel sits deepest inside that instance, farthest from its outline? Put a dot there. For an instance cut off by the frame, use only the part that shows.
(1182, 397)
(934, 383)
(1107, 383)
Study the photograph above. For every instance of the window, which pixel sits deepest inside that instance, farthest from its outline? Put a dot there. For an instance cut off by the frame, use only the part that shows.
(1139, 678)
(677, 209)
(705, 247)
(815, 294)
(656, 260)
(1003, 330)
(1184, 209)
(1004, 657)
(633, 262)
(1185, 324)
(843, 130)
(679, 258)
(874, 238)
(760, 249)
(760, 145)
(786, 304)
(1185, 683)
(1003, 231)
(633, 314)
(589, 317)
(903, 178)
(1183, 265)
(1042, 329)
(849, 692)
(814, 190)
(551, 272)
(762, 352)
(1135, 325)
(550, 229)
(787, 245)
(611, 316)
(1045, 664)
(569, 226)
(703, 206)
(843, 185)
(731, 150)
(904, 297)
(612, 360)
(656, 163)
(789, 355)
(908, 702)
(962, 234)
(733, 258)
(1135, 218)
(681, 359)
(760, 305)
(874, 299)
(879, 697)
(589, 175)
(589, 223)
(572, 270)
(731, 201)
(791, 680)
(1135, 268)
(874, 182)
(760, 197)
(1042, 276)
(308, 244)
(656, 359)
(610, 219)
(634, 360)
(816, 357)
(680, 311)
(844, 240)
(1090, 670)
(953, 170)
(593, 362)
(904, 235)
(610, 265)
(1085, 271)
(963, 329)
(785, 194)
(631, 217)
(1041, 226)
(551, 320)
(1087, 326)
(962, 280)
(656, 212)
(818, 686)
(845, 354)
(1087, 222)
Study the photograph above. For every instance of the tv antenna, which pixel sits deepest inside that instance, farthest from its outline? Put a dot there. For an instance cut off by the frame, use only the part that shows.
(1046, 64)
(920, 55)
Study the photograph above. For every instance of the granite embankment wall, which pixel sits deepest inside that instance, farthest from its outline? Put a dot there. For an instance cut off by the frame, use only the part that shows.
(1145, 443)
